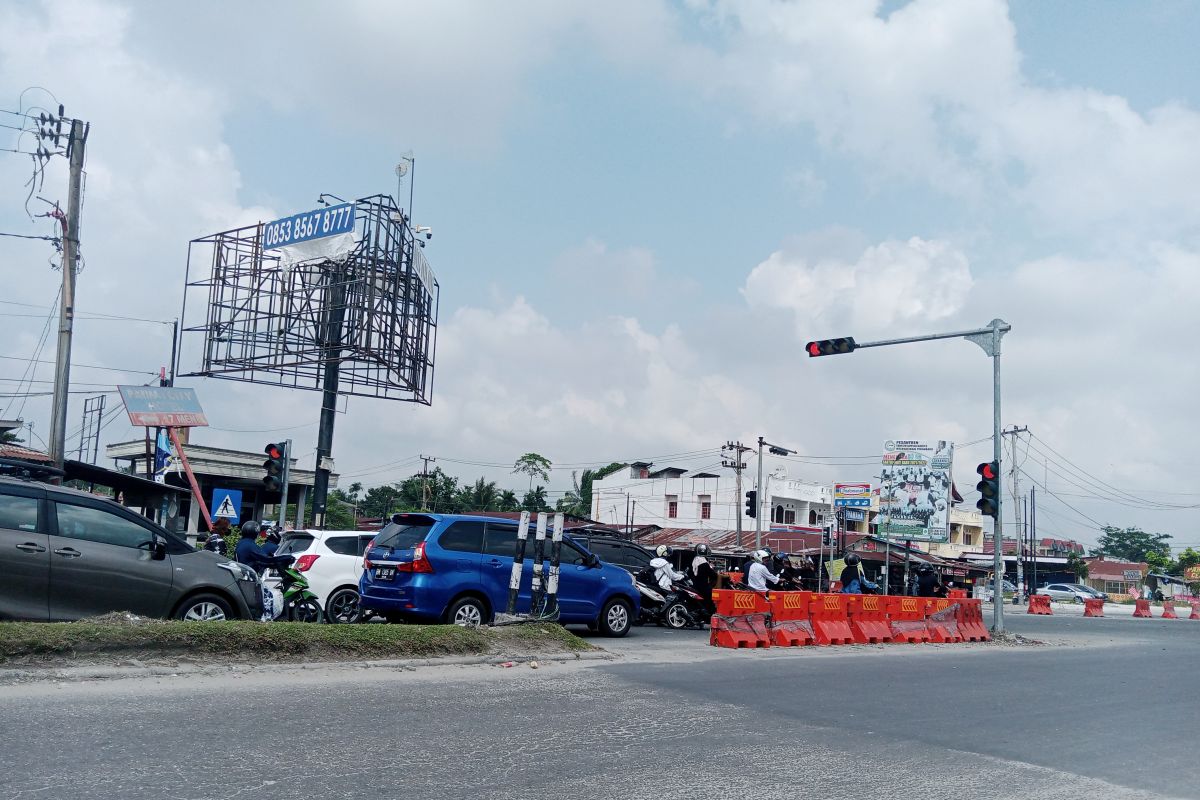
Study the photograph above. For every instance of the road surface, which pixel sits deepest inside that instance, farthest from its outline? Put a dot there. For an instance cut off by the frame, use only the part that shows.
(1106, 710)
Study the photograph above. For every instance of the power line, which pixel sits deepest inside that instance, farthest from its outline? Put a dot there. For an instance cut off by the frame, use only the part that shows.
(87, 366)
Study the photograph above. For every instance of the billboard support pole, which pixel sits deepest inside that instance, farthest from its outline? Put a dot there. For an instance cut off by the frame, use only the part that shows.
(173, 432)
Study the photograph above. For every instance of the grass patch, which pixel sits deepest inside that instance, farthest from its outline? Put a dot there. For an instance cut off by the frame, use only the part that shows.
(275, 641)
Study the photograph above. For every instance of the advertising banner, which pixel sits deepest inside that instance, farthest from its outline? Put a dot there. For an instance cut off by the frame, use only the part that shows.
(915, 500)
(852, 495)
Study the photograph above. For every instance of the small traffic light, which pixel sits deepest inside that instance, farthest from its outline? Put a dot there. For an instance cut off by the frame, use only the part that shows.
(989, 488)
(831, 347)
(751, 503)
(274, 466)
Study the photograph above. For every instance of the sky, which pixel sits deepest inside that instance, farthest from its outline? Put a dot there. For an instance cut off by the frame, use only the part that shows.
(641, 212)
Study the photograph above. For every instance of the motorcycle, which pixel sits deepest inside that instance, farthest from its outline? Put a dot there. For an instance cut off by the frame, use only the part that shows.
(298, 602)
(681, 607)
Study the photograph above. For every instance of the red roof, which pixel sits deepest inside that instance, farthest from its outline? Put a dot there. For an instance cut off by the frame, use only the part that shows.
(1103, 569)
(23, 453)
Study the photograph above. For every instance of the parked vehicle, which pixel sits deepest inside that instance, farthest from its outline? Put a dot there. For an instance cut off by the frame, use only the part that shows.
(66, 555)
(332, 562)
(1067, 592)
(989, 590)
(614, 550)
(1093, 592)
(456, 569)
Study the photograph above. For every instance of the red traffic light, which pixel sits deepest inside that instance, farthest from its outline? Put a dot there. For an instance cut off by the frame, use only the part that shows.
(988, 471)
(273, 450)
(831, 347)
(814, 348)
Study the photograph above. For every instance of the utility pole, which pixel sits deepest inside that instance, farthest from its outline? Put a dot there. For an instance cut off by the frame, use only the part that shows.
(775, 450)
(1015, 433)
(424, 481)
(737, 465)
(66, 315)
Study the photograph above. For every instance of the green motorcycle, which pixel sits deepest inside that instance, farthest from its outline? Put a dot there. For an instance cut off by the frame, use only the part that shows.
(299, 602)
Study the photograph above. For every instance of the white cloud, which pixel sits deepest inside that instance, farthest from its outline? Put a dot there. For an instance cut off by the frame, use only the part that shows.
(891, 285)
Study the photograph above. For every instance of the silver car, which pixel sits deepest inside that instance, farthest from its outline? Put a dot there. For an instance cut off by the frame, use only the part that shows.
(1066, 592)
(67, 555)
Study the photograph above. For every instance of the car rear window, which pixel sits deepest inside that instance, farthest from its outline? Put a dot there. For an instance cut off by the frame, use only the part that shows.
(293, 543)
(343, 545)
(402, 537)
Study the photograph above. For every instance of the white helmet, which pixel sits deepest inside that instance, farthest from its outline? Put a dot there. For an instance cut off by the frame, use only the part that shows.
(662, 551)
(759, 555)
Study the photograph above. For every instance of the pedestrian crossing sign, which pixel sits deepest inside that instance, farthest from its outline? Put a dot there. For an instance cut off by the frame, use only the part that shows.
(227, 504)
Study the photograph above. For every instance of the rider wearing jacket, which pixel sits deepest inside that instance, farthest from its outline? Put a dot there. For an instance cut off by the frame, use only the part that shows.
(853, 581)
(664, 573)
(758, 575)
(249, 553)
(704, 577)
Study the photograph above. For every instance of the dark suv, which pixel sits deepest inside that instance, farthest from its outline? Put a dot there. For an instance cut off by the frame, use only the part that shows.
(614, 550)
(66, 555)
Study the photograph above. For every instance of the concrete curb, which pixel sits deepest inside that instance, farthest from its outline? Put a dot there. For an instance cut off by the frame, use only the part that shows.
(119, 672)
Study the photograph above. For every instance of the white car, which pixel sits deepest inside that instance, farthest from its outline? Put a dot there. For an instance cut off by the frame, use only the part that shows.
(1067, 592)
(332, 561)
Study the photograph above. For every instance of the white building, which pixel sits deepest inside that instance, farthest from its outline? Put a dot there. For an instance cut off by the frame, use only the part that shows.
(671, 497)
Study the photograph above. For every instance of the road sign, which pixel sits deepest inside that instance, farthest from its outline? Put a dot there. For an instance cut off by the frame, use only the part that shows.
(162, 407)
(852, 494)
(228, 504)
(1192, 574)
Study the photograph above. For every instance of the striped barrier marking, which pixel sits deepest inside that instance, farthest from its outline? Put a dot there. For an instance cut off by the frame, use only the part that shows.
(908, 604)
(833, 603)
(793, 601)
(870, 604)
(745, 601)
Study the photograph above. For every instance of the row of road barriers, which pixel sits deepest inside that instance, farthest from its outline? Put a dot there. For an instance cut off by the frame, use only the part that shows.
(747, 619)
(1040, 604)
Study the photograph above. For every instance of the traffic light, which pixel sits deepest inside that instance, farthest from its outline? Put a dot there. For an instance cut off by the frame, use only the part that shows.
(274, 466)
(989, 488)
(751, 503)
(831, 347)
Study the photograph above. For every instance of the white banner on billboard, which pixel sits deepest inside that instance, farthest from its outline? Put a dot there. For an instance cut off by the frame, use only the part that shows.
(915, 500)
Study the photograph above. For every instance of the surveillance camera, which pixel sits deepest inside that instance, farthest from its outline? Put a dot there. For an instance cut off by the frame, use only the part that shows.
(428, 235)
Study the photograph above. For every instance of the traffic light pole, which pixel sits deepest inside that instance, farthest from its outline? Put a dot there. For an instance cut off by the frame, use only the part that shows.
(287, 474)
(758, 500)
(989, 340)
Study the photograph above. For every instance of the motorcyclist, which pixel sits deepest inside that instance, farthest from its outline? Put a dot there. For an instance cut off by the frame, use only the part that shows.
(927, 582)
(757, 576)
(272, 543)
(215, 543)
(664, 573)
(766, 555)
(704, 577)
(852, 578)
(789, 575)
(252, 555)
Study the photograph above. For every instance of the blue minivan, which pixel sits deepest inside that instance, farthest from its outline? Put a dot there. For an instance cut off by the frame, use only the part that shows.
(456, 568)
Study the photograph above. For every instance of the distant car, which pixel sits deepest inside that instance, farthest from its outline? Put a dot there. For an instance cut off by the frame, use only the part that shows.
(1007, 586)
(456, 569)
(332, 561)
(1093, 592)
(1066, 592)
(614, 550)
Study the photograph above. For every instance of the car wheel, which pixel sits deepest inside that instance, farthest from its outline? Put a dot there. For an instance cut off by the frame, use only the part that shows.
(467, 612)
(342, 607)
(615, 618)
(676, 616)
(205, 608)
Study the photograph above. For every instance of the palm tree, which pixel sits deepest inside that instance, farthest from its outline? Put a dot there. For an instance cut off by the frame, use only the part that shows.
(508, 501)
(479, 496)
(578, 501)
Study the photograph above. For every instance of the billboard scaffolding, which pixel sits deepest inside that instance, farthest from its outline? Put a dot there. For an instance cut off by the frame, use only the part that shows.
(354, 312)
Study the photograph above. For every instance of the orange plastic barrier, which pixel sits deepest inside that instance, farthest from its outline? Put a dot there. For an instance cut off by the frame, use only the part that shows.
(1169, 610)
(941, 618)
(906, 617)
(1093, 607)
(868, 619)
(970, 621)
(1141, 608)
(1039, 604)
(742, 619)
(829, 621)
(1195, 610)
(790, 623)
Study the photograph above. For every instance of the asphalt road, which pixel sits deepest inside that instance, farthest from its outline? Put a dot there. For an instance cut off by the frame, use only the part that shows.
(1106, 708)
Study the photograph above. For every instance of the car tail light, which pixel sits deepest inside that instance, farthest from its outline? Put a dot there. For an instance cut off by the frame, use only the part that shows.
(419, 563)
(305, 562)
(366, 561)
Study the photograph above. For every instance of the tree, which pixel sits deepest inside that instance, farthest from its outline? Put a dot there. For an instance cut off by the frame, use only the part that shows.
(354, 491)
(9, 437)
(1077, 565)
(479, 496)
(1133, 544)
(339, 511)
(578, 501)
(533, 465)
(535, 500)
(380, 501)
(440, 489)
(508, 501)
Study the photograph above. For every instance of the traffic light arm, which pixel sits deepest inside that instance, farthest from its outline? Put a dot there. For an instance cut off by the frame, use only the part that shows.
(1003, 328)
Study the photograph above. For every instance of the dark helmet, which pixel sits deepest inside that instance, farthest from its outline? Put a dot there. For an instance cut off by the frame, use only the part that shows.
(852, 560)
(274, 535)
(702, 550)
(250, 530)
(926, 569)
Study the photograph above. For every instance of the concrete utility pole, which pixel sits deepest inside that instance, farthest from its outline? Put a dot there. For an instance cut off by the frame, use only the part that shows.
(1014, 432)
(425, 481)
(66, 315)
(737, 465)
